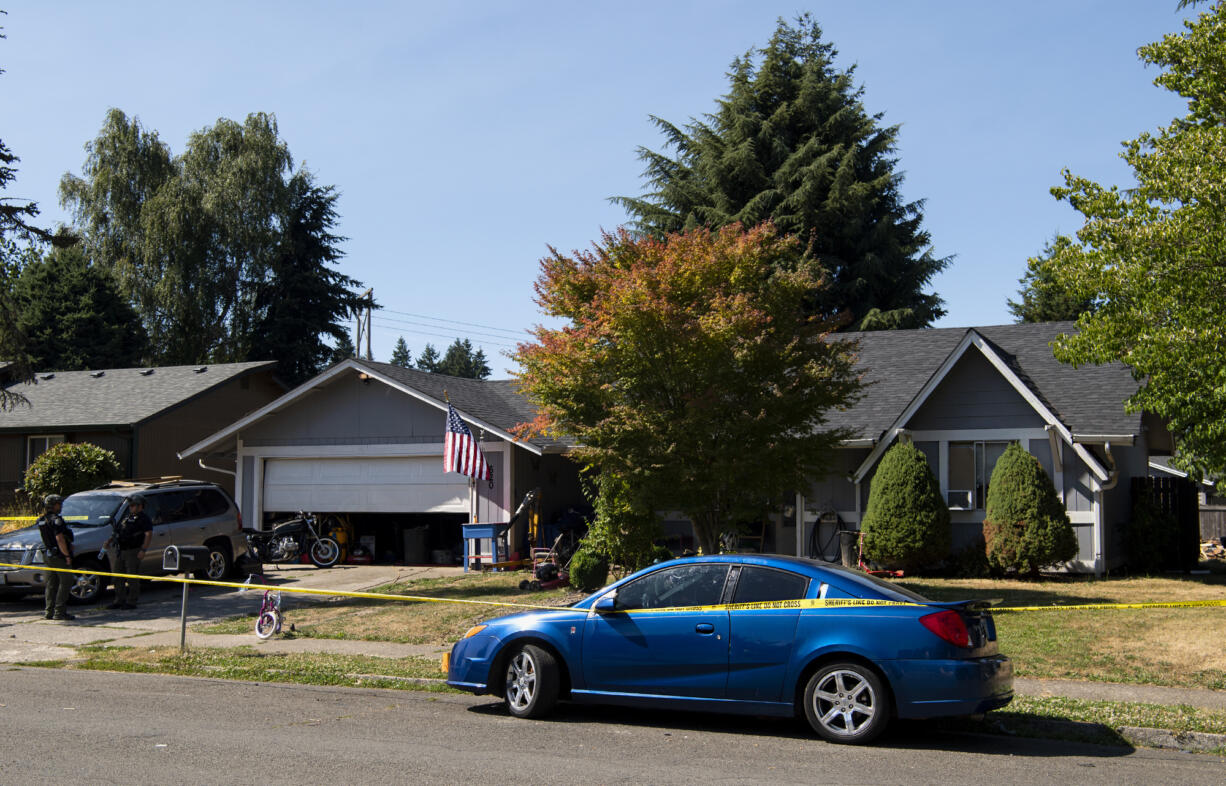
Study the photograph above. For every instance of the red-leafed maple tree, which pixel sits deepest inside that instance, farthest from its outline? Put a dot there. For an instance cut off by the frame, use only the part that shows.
(690, 368)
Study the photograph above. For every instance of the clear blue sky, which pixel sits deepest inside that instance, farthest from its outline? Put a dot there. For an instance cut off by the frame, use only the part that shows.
(466, 137)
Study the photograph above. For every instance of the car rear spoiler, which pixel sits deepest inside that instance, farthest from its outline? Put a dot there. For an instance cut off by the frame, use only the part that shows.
(982, 604)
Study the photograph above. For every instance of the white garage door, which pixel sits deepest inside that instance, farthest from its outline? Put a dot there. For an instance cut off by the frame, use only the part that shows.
(403, 484)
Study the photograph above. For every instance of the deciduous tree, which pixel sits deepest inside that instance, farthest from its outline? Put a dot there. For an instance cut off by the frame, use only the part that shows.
(226, 251)
(793, 143)
(690, 368)
(1154, 256)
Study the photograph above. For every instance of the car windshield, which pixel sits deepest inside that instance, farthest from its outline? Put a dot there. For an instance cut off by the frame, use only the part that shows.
(90, 510)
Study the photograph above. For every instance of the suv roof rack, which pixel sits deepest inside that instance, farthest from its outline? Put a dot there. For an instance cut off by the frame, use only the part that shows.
(155, 483)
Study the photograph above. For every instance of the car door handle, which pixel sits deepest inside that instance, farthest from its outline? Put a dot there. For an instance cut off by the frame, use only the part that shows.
(704, 627)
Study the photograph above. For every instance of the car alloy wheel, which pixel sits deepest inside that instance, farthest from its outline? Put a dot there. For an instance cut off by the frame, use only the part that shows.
(86, 587)
(531, 687)
(218, 566)
(846, 702)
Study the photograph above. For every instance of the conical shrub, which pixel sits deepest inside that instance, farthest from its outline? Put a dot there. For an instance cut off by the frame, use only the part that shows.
(1026, 527)
(906, 525)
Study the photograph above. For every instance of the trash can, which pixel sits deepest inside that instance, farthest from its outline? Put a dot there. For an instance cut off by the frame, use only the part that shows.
(849, 547)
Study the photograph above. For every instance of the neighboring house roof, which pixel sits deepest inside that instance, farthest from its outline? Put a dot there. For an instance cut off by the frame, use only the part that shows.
(493, 405)
(113, 397)
(899, 364)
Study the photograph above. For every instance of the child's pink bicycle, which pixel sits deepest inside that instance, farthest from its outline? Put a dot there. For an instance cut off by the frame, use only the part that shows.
(270, 618)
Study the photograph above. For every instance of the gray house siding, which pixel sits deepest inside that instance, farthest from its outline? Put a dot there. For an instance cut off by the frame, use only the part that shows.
(974, 396)
(350, 412)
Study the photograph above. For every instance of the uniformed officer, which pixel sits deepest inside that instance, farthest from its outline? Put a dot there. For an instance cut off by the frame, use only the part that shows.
(57, 540)
(131, 539)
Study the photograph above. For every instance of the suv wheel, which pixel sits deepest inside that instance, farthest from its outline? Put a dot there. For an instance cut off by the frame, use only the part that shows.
(218, 566)
(86, 587)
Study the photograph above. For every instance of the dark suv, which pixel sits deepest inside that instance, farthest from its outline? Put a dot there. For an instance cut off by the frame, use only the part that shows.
(184, 513)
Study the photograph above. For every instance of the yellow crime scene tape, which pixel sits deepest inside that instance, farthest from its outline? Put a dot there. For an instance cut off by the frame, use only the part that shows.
(830, 603)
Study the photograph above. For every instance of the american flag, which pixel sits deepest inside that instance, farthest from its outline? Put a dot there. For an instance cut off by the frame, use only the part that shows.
(461, 453)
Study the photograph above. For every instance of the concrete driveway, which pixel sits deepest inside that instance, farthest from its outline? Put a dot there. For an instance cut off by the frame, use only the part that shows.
(25, 636)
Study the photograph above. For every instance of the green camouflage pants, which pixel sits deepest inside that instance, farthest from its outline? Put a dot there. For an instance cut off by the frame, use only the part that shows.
(58, 584)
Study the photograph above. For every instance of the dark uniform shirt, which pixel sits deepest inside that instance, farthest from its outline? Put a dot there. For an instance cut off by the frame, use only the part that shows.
(50, 525)
(130, 533)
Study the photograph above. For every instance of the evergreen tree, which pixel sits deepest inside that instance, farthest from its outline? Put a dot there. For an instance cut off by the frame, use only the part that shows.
(792, 143)
(73, 316)
(1025, 525)
(1044, 297)
(428, 360)
(907, 522)
(344, 348)
(305, 298)
(461, 361)
(400, 354)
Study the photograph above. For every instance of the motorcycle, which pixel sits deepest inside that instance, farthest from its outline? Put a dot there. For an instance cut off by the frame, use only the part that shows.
(288, 540)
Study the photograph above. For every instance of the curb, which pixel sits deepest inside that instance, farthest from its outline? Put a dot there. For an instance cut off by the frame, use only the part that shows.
(1198, 741)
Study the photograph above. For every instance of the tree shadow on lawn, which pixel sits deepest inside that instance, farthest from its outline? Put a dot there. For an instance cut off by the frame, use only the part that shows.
(1012, 593)
(953, 735)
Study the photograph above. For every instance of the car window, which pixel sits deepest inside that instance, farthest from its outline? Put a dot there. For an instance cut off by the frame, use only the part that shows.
(759, 585)
(212, 503)
(167, 507)
(683, 585)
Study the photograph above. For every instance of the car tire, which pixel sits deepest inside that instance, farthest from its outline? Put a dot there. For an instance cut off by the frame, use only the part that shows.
(531, 686)
(218, 566)
(87, 588)
(325, 552)
(847, 703)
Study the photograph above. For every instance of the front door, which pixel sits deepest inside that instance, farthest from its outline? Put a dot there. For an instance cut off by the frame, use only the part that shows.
(662, 653)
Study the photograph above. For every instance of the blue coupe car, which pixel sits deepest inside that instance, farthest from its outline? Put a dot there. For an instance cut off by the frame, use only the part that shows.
(742, 633)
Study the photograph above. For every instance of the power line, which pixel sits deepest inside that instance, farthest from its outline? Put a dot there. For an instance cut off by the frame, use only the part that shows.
(392, 321)
(414, 332)
(515, 333)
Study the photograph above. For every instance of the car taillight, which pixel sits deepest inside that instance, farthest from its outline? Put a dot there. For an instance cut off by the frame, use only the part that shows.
(950, 626)
(240, 520)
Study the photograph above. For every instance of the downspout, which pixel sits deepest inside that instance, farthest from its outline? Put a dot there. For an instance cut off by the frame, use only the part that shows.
(231, 473)
(1113, 472)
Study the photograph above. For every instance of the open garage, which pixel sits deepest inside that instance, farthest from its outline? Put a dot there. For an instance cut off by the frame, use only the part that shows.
(363, 443)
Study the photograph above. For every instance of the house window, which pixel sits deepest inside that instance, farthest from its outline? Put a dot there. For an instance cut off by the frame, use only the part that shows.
(970, 470)
(36, 446)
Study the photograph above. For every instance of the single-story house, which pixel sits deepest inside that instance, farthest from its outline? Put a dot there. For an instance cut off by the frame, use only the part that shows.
(365, 439)
(143, 415)
(961, 395)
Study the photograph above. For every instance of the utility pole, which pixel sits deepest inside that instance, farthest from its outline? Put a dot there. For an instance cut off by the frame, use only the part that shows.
(363, 316)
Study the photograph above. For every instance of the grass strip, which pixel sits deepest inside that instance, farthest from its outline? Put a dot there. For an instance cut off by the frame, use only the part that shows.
(245, 663)
(1077, 720)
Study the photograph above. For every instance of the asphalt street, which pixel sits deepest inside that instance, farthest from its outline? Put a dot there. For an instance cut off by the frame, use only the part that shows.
(96, 727)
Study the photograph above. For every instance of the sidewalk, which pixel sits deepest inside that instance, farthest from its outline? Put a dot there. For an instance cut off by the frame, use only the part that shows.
(1114, 691)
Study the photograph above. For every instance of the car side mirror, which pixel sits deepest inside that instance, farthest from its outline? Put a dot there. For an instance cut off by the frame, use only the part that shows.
(606, 603)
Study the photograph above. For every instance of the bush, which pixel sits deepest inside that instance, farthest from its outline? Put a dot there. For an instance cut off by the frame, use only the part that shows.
(907, 523)
(661, 554)
(1026, 527)
(589, 569)
(67, 468)
(625, 527)
(970, 561)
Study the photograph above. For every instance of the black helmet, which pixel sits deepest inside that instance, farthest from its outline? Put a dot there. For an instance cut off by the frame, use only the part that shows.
(52, 499)
(136, 499)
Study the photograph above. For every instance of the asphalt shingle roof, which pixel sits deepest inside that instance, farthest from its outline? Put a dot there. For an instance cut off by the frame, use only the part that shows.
(897, 364)
(113, 397)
